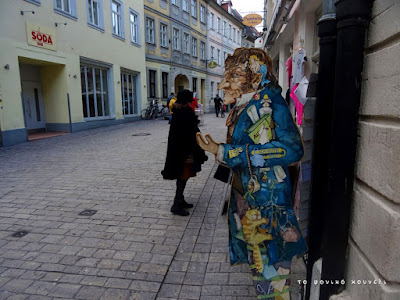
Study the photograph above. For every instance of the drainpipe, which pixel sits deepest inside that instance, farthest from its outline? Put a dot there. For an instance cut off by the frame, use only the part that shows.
(352, 22)
(322, 129)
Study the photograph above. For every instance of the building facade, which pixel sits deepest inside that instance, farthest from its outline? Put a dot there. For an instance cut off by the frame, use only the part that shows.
(224, 35)
(70, 65)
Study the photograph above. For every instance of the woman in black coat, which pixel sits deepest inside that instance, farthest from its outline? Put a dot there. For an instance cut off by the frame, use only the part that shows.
(184, 156)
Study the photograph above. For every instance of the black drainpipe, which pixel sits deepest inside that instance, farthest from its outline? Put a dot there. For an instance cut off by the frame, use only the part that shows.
(322, 129)
(352, 22)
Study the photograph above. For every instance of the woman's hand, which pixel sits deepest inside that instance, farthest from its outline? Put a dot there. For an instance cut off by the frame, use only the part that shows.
(210, 145)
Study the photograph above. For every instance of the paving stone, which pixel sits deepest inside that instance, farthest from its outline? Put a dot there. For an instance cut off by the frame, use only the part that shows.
(146, 286)
(115, 294)
(194, 279)
(175, 277)
(17, 285)
(190, 292)
(93, 280)
(216, 278)
(117, 283)
(90, 292)
(66, 290)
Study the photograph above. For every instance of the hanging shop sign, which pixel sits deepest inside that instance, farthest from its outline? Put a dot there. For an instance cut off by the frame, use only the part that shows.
(252, 20)
(40, 36)
(212, 64)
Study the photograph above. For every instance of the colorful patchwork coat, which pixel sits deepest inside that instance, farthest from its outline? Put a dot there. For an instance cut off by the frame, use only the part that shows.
(263, 141)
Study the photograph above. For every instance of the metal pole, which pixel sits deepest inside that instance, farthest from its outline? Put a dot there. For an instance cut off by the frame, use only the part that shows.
(69, 114)
(352, 22)
(322, 129)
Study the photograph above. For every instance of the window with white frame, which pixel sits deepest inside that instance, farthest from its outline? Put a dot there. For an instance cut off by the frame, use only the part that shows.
(230, 32)
(64, 5)
(186, 42)
(175, 39)
(223, 61)
(163, 35)
(174, 2)
(234, 35)
(94, 12)
(95, 93)
(185, 5)
(150, 33)
(194, 47)
(117, 20)
(129, 95)
(218, 25)
(224, 28)
(212, 53)
(194, 9)
(202, 50)
(238, 37)
(218, 57)
(134, 26)
(211, 20)
(202, 14)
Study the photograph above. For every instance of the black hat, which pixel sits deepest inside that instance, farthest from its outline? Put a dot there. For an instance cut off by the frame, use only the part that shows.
(184, 96)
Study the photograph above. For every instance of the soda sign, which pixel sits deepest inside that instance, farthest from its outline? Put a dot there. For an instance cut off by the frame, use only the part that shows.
(40, 36)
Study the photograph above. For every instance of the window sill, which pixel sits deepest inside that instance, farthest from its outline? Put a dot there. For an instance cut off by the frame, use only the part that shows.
(202, 22)
(36, 2)
(96, 27)
(135, 44)
(65, 14)
(165, 47)
(194, 17)
(152, 44)
(118, 37)
(98, 119)
(175, 5)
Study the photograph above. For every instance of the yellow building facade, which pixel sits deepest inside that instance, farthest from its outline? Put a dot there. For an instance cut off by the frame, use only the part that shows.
(175, 37)
(70, 65)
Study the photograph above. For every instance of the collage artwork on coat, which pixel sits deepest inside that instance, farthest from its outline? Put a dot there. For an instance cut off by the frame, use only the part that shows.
(262, 141)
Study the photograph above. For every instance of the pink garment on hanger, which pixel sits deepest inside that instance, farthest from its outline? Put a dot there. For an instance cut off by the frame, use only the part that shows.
(288, 65)
(299, 106)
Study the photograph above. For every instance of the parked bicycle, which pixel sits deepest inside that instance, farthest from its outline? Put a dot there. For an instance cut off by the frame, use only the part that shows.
(154, 110)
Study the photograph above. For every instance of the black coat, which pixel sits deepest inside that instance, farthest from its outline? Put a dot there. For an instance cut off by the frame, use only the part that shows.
(182, 143)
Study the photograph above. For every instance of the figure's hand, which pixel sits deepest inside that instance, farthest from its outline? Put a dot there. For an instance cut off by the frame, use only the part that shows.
(210, 145)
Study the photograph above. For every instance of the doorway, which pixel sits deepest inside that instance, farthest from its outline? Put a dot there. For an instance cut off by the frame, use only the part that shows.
(33, 105)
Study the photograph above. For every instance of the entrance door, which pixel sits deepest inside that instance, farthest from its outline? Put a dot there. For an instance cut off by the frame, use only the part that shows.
(33, 105)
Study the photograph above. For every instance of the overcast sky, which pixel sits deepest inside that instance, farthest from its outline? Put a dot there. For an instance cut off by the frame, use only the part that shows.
(245, 7)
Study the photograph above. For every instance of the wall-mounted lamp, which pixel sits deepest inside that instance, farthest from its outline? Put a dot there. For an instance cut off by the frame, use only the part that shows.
(7, 67)
(24, 11)
(60, 24)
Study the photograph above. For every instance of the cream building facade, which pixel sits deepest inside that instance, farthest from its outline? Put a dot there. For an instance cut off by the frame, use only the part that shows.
(70, 65)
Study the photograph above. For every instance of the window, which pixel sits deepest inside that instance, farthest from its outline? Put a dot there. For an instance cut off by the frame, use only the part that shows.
(164, 77)
(150, 34)
(219, 2)
(211, 20)
(234, 35)
(225, 55)
(212, 53)
(218, 56)
(152, 83)
(117, 20)
(212, 89)
(163, 35)
(202, 14)
(134, 27)
(94, 12)
(94, 92)
(202, 50)
(238, 37)
(186, 43)
(218, 25)
(194, 9)
(194, 84)
(194, 47)
(175, 39)
(185, 5)
(128, 93)
(224, 29)
(230, 32)
(174, 2)
(64, 7)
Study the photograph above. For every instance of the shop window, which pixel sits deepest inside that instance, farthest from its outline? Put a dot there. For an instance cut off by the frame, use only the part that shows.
(95, 94)
(66, 8)
(129, 94)
(152, 83)
(117, 18)
(164, 76)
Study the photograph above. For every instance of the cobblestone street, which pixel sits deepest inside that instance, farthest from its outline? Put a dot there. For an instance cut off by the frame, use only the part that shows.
(132, 247)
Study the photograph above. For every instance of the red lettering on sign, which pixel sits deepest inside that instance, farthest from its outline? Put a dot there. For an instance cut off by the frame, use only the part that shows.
(42, 38)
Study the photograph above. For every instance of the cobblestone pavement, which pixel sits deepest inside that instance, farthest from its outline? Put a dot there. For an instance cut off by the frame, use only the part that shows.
(132, 247)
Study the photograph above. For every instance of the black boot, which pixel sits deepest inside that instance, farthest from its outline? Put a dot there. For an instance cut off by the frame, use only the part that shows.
(179, 198)
(177, 209)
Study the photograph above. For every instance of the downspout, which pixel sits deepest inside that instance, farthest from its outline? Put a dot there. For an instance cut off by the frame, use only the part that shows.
(322, 129)
(352, 22)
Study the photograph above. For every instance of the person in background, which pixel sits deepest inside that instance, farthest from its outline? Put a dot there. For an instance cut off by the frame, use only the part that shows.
(194, 104)
(218, 104)
(184, 156)
(170, 104)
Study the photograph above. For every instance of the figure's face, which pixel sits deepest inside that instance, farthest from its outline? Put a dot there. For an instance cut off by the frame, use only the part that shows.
(233, 82)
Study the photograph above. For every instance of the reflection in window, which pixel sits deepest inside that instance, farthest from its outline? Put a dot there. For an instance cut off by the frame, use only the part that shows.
(128, 92)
